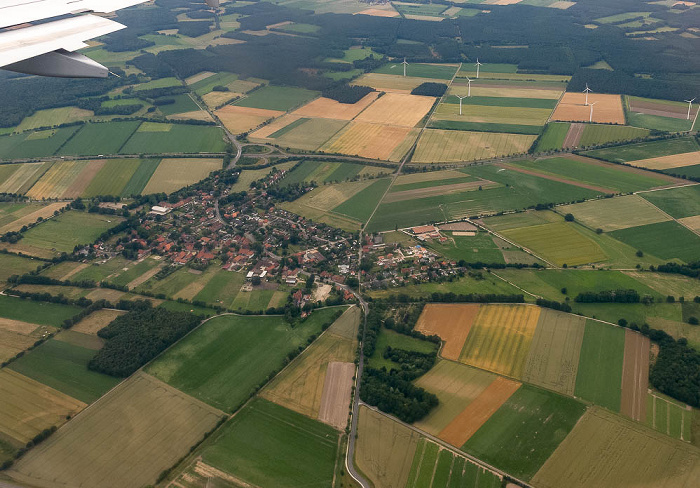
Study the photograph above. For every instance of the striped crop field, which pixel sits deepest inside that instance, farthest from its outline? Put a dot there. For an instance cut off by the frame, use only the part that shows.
(500, 338)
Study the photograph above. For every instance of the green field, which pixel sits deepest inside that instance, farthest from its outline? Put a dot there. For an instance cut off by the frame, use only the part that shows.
(282, 98)
(158, 83)
(486, 127)
(100, 138)
(430, 10)
(666, 240)
(361, 205)
(669, 416)
(435, 71)
(221, 289)
(656, 122)
(687, 171)
(134, 271)
(304, 449)
(98, 272)
(522, 191)
(646, 150)
(63, 366)
(225, 360)
(599, 378)
(207, 84)
(389, 338)
(183, 103)
(15, 265)
(43, 313)
(525, 431)
(677, 202)
(595, 173)
(254, 301)
(68, 230)
(505, 102)
(35, 144)
(463, 285)
(553, 136)
(479, 248)
(140, 177)
(596, 135)
(616, 213)
(112, 178)
(559, 242)
(171, 284)
(179, 138)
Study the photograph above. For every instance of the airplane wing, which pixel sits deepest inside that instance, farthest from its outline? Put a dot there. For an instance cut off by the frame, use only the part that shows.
(31, 42)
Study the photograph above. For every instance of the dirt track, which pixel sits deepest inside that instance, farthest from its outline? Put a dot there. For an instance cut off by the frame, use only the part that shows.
(635, 376)
(573, 137)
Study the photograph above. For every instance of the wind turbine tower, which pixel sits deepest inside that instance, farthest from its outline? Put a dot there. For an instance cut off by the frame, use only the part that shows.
(690, 105)
(590, 119)
(404, 66)
(460, 103)
(587, 91)
(478, 64)
(469, 87)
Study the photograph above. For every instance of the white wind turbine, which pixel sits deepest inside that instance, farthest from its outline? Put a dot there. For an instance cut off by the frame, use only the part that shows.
(587, 91)
(460, 103)
(404, 66)
(478, 64)
(590, 119)
(469, 87)
(690, 105)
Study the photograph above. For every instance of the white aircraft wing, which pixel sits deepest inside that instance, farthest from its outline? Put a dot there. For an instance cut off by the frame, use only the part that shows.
(45, 48)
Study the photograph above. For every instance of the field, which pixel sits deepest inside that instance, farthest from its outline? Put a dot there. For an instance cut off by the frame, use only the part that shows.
(113, 177)
(327, 108)
(243, 119)
(156, 138)
(11, 265)
(140, 178)
(133, 426)
(671, 162)
(63, 233)
(525, 431)
(453, 146)
(223, 361)
(183, 103)
(304, 449)
(388, 338)
(303, 133)
(300, 386)
(677, 202)
(42, 313)
(646, 150)
(635, 376)
(607, 110)
(599, 378)
(451, 322)
(390, 83)
(433, 71)
(385, 449)
(96, 321)
(20, 178)
(35, 144)
(554, 354)
(668, 416)
(53, 117)
(328, 172)
(666, 240)
(100, 138)
(63, 366)
(397, 109)
(616, 213)
(173, 174)
(596, 135)
(221, 289)
(27, 407)
(462, 285)
(281, 98)
(659, 114)
(559, 242)
(553, 137)
(374, 141)
(604, 450)
(434, 466)
(59, 180)
(498, 328)
(361, 205)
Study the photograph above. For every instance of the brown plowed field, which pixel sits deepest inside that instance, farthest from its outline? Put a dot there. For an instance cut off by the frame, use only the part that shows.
(607, 110)
(431, 191)
(83, 180)
(465, 425)
(666, 162)
(335, 401)
(327, 108)
(635, 376)
(573, 137)
(661, 109)
(452, 322)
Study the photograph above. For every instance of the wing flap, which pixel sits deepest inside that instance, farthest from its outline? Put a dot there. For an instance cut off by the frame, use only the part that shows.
(15, 12)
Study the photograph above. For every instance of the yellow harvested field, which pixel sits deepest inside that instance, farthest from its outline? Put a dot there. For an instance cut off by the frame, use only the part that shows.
(397, 109)
(607, 109)
(373, 141)
(330, 196)
(267, 130)
(327, 108)
(43, 212)
(17, 336)
(53, 117)
(376, 12)
(451, 322)
(142, 424)
(17, 326)
(310, 134)
(216, 98)
(96, 321)
(194, 115)
(692, 223)
(390, 83)
(562, 5)
(337, 388)
(666, 162)
(20, 177)
(173, 174)
(27, 407)
(198, 77)
(56, 181)
(242, 119)
(437, 146)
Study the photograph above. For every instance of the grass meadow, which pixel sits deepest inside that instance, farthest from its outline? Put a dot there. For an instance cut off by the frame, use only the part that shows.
(646, 150)
(677, 202)
(553, 136)
(666, 240)
(68, 230)
(282, 98)
(100, 138)
(35, 144)
(42, 313)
